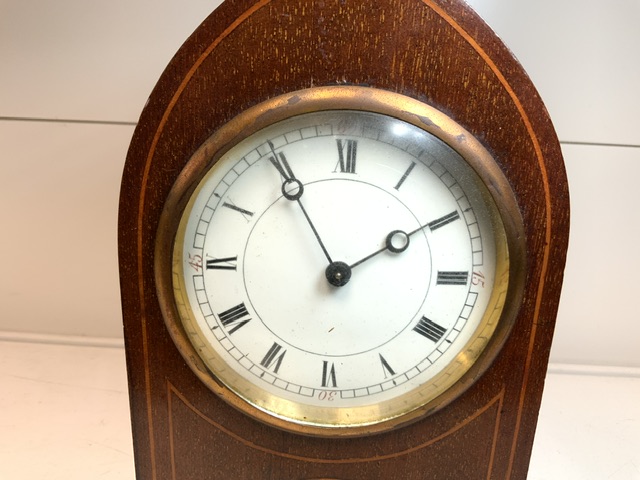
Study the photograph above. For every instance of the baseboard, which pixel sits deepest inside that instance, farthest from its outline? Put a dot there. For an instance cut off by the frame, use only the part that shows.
(52, 339)
(594, 370)
(106, 342)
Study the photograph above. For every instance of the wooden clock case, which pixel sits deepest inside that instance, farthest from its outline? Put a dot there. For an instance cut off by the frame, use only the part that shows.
(247, 51)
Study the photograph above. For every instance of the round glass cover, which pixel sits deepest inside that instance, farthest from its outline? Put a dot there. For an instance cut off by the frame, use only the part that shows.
(338, 270)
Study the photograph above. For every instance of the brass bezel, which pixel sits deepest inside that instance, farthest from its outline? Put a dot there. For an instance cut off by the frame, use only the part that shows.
(499, 317)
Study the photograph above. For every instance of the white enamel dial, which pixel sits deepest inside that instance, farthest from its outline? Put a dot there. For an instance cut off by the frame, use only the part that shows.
(339, 268)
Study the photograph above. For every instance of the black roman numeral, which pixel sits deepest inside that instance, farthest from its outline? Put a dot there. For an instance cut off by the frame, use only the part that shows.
(347, 151)
(442, 221)
(386, 368)
(236, 317)
(273, 358)
(245, 213)
(430, 329)
(227, 263)
(280, 162)
(329, 375)
(452, 278)
(405, 175)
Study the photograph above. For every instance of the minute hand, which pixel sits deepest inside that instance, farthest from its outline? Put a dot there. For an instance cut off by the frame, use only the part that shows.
(292, 189)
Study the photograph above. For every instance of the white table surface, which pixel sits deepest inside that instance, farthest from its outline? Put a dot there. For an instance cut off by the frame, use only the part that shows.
(64, 414)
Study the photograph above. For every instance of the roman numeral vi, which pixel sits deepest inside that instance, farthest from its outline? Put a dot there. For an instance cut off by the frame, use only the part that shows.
(329, 375)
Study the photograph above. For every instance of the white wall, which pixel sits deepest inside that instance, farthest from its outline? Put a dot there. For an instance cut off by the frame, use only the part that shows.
(583, 56)
(90, 61)
(96, 62)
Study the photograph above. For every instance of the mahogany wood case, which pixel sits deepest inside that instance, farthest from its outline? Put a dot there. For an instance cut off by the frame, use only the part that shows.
(247, 51)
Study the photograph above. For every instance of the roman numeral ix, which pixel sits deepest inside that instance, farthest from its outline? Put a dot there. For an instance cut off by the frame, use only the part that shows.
(227, 263)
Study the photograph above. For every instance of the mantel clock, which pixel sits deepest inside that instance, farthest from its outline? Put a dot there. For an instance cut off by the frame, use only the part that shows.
(342, 234)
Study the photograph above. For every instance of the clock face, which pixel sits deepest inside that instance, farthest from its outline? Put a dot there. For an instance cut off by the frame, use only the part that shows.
(339, 271)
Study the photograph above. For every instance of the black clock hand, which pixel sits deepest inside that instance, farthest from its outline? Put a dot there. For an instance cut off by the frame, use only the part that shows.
(339, 273)
(397, 235)
(279, 161)
(401, 239)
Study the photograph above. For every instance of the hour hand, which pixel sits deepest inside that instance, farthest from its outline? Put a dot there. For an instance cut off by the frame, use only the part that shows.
(339, 273)
(292, 188)
(397, 241)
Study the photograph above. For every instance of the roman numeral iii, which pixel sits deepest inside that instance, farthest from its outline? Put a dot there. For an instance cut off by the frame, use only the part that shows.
(452, 278)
